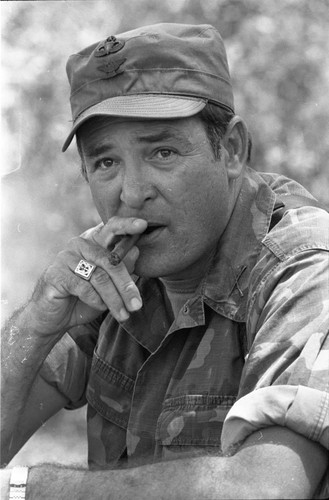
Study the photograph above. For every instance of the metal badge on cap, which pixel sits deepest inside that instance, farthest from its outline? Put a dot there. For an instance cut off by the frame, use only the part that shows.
(112, 67)
(110, 46)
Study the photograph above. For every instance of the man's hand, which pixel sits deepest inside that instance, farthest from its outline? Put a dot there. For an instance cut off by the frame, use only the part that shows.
(62, 299)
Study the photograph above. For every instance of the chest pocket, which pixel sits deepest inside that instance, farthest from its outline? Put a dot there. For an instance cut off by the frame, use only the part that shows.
(200, 394)
(109, 394)
(192, 420)
(116, 361)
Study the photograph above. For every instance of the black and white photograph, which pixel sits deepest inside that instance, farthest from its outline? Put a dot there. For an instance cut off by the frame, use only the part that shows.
(165, 249)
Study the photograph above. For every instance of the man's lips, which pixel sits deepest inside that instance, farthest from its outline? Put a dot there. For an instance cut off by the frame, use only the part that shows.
(152, 227)
(152, 231)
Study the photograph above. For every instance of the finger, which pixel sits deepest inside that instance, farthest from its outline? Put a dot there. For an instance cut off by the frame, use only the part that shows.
(130, 259)
(116, 287)
(110, 294)
(114, 284)
(88, 234)
(87, 294)
(118, 226)
(91, 296)
(97, 255)
(120, 250)
(68, 283)
(99, 292)
(122, 247)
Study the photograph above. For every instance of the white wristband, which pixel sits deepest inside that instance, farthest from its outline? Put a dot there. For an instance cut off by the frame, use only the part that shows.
(17, 484)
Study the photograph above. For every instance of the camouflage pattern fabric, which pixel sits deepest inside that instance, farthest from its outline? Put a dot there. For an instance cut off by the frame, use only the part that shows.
(249, 350)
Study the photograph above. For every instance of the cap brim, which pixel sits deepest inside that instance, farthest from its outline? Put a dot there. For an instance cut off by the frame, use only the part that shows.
(140, 106)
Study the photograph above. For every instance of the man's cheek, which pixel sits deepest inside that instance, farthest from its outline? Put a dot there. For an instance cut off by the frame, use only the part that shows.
(106, 203)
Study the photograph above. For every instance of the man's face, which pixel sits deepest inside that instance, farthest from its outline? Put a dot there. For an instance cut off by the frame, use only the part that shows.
(163, 171)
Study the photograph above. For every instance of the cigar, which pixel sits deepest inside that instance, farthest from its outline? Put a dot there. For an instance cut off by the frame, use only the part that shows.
(122, 247)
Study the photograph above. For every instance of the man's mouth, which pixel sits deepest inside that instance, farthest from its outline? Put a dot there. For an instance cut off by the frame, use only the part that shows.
(152, 231)
(151, 227)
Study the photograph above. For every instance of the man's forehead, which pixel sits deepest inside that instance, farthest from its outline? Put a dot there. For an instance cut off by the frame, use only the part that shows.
(141, 130)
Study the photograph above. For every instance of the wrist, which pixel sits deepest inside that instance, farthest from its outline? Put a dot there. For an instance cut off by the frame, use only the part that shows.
(36, 320)
(22, 338)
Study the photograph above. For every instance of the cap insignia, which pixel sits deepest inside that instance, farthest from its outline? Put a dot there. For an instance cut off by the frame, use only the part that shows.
(112, 67)
(110, 46)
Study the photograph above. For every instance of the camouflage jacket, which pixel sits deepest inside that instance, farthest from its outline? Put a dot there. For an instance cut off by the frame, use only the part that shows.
(249, 350)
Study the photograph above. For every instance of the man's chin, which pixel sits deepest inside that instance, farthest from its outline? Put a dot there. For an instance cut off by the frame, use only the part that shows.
(145, 269)
(151, 265)
(157, 266)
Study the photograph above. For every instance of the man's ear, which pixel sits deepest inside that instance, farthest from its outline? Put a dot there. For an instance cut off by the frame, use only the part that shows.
(235, 141)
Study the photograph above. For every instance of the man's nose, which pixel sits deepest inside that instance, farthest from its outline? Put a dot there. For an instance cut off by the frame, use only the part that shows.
(136, 188)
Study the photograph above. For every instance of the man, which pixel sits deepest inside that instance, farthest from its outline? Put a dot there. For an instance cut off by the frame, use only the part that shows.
(193, 320)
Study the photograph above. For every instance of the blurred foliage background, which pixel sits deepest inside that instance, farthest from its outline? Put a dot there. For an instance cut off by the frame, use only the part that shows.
(278, 54)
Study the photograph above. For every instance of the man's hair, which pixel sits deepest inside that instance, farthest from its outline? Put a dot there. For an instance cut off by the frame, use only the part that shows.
(215, 120)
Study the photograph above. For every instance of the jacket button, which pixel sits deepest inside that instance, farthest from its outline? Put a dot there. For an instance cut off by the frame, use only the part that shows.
(186, 309)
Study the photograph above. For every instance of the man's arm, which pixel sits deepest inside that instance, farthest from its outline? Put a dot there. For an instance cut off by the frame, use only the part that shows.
(272, 463)
(22, 353)
(43, 402)
(60, 301)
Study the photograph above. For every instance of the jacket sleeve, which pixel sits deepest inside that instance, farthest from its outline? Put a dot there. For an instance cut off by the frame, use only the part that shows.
(285, 380)
(67, 366)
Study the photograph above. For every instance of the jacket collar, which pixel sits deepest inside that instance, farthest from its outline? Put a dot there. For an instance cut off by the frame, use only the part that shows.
(225, 287)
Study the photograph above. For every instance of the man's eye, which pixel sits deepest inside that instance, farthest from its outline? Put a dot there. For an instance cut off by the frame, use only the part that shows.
(165, 154)
(105, 163)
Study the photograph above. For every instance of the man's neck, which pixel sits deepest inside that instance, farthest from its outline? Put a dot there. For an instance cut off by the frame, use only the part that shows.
(179, 290)
(181, 286)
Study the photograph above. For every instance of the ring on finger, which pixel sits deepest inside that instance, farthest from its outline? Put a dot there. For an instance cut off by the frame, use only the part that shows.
(84, 269)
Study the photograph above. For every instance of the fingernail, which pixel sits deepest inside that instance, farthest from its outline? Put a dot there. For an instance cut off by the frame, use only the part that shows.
(123, 315)
(138, 222)
(136, 304)
(134, 253)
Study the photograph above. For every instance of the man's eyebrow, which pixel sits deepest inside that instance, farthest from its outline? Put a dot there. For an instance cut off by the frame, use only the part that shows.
(163, 135)
(96, 150)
